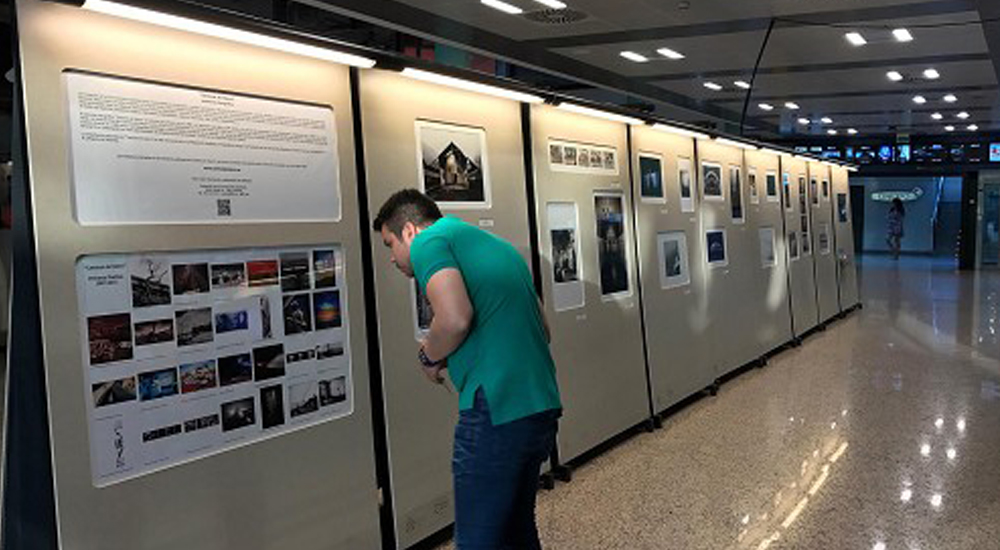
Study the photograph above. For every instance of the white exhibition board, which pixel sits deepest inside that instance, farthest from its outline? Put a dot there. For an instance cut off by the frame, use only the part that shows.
(193, 353)
(821, 205)
(146, 153)
(801, 267)
(847, 269)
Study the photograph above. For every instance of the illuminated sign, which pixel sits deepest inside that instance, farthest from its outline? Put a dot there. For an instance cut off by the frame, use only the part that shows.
(905, 196)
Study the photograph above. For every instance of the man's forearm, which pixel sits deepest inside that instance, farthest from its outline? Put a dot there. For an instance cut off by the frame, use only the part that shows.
(444, 338)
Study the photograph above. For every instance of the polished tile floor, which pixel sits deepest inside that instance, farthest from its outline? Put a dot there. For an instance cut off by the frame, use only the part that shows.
(882, 433)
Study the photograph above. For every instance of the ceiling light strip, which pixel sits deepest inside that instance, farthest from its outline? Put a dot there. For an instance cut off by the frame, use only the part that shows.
(680, 131)
(580, 109)
(509, 9)
(470, 86)
(734, 143)
(554, 4)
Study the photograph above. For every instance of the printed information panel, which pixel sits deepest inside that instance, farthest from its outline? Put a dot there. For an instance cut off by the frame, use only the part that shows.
(191, 353)
(152, 153)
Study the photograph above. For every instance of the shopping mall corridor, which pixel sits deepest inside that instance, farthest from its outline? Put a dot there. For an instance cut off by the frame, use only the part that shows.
(881, 433)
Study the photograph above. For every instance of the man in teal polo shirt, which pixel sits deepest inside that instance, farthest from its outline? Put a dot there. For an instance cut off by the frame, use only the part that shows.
(489, 333)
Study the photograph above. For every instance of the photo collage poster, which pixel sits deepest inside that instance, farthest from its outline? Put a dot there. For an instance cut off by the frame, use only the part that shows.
(824, 238)
(452, 165)
(674, 267)
(685, 179)
(711, 181)
(567, 272)
(582, 158)
(752, 186)
(772, 187)
(767, 256)
(804, 232)
(786, 188)
(736, 194)
(715, 248)
(188, 354)
(651, 180)
(423, 314)
(612, 244)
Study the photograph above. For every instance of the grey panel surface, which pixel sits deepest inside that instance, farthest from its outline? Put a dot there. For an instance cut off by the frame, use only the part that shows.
(826, 264)
(597, 348)
(420, 417)
(847, 268)
(805, 311)
(311, 489)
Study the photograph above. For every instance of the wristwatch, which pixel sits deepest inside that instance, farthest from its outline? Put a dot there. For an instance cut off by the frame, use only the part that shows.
(426, 361)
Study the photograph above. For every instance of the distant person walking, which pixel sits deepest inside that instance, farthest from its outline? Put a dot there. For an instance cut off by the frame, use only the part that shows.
(489, 333)
(894, 227)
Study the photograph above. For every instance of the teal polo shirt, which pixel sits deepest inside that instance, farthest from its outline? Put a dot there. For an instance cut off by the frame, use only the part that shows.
(506, 352)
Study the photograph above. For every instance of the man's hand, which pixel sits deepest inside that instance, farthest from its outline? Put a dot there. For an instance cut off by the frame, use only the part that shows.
(435, 374)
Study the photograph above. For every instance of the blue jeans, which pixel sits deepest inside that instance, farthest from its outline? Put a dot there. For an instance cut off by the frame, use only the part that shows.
(496, 471)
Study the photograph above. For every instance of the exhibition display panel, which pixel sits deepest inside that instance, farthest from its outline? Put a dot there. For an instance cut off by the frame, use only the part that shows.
(671, 270)
(824, 251)
(204, 342)
(798, 236)
(465, 150)
(847, 269)
(583, 199)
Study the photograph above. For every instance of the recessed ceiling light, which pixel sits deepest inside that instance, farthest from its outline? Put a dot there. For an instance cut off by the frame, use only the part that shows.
(950, 98)
(670, 54)
(766, 107)
(712, 86)
(894, 76)
(742, 84)
(554, 4)
(804, 121)
(832, 132)
(637, 57)
(852, 131)
(502, 6)
(937, 116)
(949, 128)
(963, 115)
(972, 127)
(932, 74)
(855, 38)
(826, 120)
(919, 99)
(792, 105)
(902, 35)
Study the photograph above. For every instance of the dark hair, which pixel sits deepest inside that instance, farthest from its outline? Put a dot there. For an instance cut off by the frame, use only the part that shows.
(897, 203)
(408, 205)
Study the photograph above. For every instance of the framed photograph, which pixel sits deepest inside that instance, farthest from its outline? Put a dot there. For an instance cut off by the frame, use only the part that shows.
(674, 267)
(736, 194)
(771, 179)
(767, 255)
(150, 280)
(814, 191)
(752, 186)
(824, 238)
(793, 245)
(651, 178)
(452, 164)
(685, 181)
(711, 181)
(612, 244)
(423, 313)
(826, 190)
(842, 212)
(786, 189)
(715, 248)
(803, 195)
(562, 219)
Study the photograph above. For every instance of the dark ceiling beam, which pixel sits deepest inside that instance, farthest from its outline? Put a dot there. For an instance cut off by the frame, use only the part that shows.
(867, 94)
(823, 67)
(886, 112)
(406, 18)
(917, 9)
(989, 10)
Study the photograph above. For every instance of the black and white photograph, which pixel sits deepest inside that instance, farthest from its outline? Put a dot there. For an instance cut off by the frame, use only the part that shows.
(160, 433)
(596, 159)
(110, 338)
(767, 256)
(842, 207)
(826, 190)
(715, 247)
(302, 398)
(711, 176)
(300, 356)
(294, 271)
(805, 243)
(235, 369)
(453, 168)
(330, 350)
(771, 180)
(803, 195)
(736, 194)
(569, 155)
(651, 177)
(684, 180)
(555, 154)
(159, 331)
(793, 245)
(752, 186)
(611, 243)
(673, 259)
(325, 268)
(264, 308)
(424, 311)
(232, 275)
(238, 414)
(194, 326)
(268, 362)
(583, 157)
(786, 188)
(824, 238)
(610, 161)
(272, 406)
(564, 255)
(332, 391)
(113, 392)
(201, 423)
(190, 279)
(814, 191)
(297, 312)
(804, 224)
(150, 280)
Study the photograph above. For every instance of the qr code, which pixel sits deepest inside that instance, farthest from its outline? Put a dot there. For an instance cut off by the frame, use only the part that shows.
(224, 207)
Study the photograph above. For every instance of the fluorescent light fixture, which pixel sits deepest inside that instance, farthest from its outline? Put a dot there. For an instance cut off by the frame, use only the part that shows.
(712, 86)
(831, 132)
(470, 86)
(637, 57)
(937, 116)
(855, 39)
(734, 143)
(670, 54)
(580, 109)
(851, 169)
(949, 128)
(226, 33)
(919, 99)
(826, 120)
(679, 131)
(554, 4)
(932, 74)
(963, 115)
(766, 107)
(742, 84)
(792, 105)
(902, 35)
(950, 98)
(894, 76)
(972, 127)
(852, 131)
(772, 152)
(804, 121)
(502, 6)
